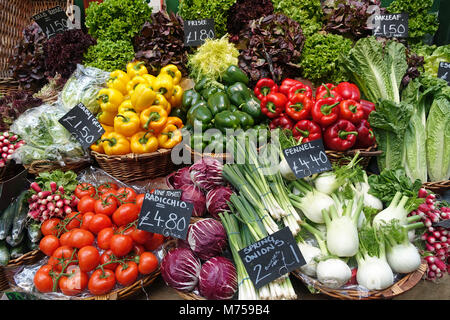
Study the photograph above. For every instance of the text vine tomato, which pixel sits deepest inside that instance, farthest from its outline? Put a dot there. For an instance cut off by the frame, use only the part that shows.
(74, 282)
(84, 189)
(86, 219)
(50, 226)
(127, 273)
(80, 238)
(72, 220)
(126, 194)
(86, 204)
(107, 260)
(104, 238)
(107, 206)
(62, 257)
(43, 280)
(121, 244)
(125, 214)
(101, 281)
(98, 222)
(147, 263)
(49, 244)
(88, 258)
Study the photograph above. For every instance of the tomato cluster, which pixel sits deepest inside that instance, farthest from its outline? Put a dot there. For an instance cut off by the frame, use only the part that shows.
(98, 245)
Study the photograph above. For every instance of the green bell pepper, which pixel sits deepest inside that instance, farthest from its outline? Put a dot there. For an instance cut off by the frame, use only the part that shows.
(226, 120)
(201, 117)
(206, 93)
(233, 108)
(239, 93)
(252, 106)
(245, 120)
(190, 114)
(218, 102)
(234, 74)
(190, 97)
(199, 86)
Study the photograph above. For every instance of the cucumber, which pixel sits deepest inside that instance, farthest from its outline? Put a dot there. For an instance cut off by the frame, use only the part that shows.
(19, 250)
(4, 253)
(34, 232)
(20, 217)
(6, 220)
(31, 245)
(15, 242)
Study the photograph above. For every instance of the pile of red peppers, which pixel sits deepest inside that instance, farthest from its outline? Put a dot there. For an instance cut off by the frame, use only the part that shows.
(335, 113)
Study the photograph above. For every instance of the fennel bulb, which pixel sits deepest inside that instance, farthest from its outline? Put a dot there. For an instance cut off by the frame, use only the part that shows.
(309, 253)
(403, 258)
(374, 273)
(286, 170)
(396, 210)
(326, 182)
(333, 273)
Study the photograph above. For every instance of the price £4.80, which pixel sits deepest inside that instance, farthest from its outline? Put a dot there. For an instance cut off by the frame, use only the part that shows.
(170, 224)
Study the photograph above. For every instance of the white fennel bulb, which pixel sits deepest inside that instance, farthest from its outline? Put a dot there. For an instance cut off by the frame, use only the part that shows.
(374, 273)
(326, 182)
(395, 211)
(309, 253)
(333, 273)
(403, 258)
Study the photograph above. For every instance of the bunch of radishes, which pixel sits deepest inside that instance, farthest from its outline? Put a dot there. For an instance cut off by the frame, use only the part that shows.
(8, 144)
(44, 204)
(437, 239)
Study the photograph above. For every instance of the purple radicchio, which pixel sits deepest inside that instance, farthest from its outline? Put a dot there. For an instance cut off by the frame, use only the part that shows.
(207, 238)
(194, 195)
(218, 279)
(180, 269)
(206, 173)
(179, 178)
(217, 201)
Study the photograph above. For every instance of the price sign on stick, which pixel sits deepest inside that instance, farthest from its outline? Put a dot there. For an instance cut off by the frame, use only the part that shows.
(391, 25)
(52, 21)
(168, 216)
(83, 125)
(271, 257)
(197, 31)
(444, 71)
(307, 158)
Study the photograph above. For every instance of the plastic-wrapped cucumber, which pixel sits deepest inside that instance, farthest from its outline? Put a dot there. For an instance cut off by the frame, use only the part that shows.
(6, 220)
(31, 245)
(19, 250)
(4, 253)
(34, 232)
(15, 242)
(20, 218)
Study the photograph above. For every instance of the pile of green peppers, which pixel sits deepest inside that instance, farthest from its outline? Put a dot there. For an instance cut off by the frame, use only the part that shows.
(232, 107)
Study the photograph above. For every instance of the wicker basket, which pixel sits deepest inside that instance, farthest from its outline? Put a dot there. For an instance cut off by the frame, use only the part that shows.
(404, 284)
(28, 258)
(344, 157)
(437, 187)
(133, 167)
(39, 166)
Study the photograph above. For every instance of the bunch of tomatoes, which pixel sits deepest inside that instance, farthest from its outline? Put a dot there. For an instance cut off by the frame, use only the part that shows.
(99, 245)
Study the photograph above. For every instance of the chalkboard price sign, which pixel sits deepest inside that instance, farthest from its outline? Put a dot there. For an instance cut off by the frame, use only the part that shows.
(52, 21)
(391, 25)
(444, 224)
(167, 193)
(197, 31)
(444, 71)
(271, 257)
(307, 158)
(83, 125)
(165, 215)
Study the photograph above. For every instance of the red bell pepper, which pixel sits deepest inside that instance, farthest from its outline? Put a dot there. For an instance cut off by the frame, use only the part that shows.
(340, 136)
(283, 122)
(286, 84)
(299, 107)
(265, 86)
(348, 91)
(325, 112)
(368, 107)
(328, 93)
(300, 88)
(366, 137)
(273, 104)
(323, 88)
(351, 110)
(306, 130)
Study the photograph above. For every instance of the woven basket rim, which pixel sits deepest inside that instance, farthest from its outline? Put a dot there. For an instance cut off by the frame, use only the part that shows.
(444, 183)
(132, 156)
(24, 259)
(351, 294)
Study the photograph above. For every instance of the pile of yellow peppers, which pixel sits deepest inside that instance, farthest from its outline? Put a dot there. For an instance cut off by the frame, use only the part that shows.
(135, 108)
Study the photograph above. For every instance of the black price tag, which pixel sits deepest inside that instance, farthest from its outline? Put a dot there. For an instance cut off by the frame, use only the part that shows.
(272, 257)
(172, 193)
(165, 215)
(444, 71)
(307, 158)
(197, 31)
(52, 21)
(444, 224)
(391, 25)
(83, 125)
(12, 188)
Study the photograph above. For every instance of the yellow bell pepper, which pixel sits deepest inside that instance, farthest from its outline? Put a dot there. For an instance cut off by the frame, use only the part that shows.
(115, 144)
(118, 80)
(109, 99)
(161, 101)
(173, 72)
(133, 83)
(97, 146)
(136, 68)
(149, 78)
(127, 106)
(106, 118)
(169, 137)
(107, 128)
(177, 96)
(144, 142)
(127, 123)
(142, 97)
(177, 122)
(153, 118)
(164, 85)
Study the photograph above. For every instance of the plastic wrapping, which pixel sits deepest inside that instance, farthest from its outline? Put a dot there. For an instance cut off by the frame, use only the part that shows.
(83, 87)
(45, 137)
